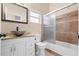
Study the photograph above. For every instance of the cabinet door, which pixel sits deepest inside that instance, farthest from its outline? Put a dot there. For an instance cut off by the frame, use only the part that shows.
(6, 51)
(30, 46)
(7, 47)
(19, 49)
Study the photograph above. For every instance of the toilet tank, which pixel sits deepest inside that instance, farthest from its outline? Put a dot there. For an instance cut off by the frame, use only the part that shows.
(38, 37)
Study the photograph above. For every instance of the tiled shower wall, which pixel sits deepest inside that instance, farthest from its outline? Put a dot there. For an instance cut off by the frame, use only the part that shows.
(67, 24)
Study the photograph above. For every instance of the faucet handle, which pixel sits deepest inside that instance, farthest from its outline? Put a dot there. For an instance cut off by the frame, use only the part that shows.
(17, 28)
(2, 35)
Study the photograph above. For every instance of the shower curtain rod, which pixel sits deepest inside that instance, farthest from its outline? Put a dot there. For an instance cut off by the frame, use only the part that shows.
(60, 8)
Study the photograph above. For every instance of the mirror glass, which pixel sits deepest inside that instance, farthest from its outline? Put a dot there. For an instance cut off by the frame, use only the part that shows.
(14, 13)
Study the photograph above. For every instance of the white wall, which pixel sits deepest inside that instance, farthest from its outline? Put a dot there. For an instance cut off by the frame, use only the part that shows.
(42, 8)
(54, 6)
(7, 27)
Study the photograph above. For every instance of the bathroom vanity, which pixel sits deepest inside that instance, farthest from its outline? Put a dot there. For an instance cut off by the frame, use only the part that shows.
(19, 46)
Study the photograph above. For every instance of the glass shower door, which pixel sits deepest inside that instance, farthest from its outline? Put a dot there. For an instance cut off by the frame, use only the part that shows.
(49, 28)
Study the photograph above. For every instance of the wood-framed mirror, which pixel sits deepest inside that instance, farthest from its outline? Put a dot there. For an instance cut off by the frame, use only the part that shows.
(12, 12)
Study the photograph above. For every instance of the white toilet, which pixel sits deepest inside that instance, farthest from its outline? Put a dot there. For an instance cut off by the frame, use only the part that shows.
(40, 46)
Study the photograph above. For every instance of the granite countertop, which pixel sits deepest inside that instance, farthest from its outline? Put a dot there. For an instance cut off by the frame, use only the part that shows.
(13, 37)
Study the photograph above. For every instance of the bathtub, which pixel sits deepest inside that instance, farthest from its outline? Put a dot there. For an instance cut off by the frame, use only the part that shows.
(63, 48)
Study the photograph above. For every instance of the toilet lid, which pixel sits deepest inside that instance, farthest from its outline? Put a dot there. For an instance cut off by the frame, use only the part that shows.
(41, 44)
